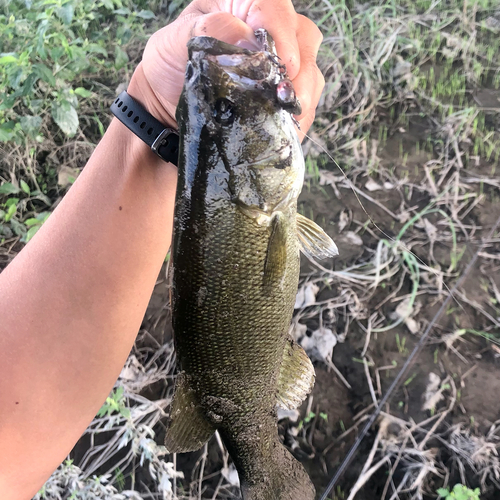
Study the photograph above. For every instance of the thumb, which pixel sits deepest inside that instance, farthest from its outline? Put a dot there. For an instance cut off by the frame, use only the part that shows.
(225, 27)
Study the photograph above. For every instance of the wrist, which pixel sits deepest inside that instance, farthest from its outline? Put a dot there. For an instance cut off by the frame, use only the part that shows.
(131, 148)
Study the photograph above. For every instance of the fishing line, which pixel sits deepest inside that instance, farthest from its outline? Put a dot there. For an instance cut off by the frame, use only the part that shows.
(350, 455)
(398, 242)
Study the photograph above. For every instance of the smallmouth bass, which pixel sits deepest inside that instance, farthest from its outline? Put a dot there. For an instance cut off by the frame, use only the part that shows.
(235, 259)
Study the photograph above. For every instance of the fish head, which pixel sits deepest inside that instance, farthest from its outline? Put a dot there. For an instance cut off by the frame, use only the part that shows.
(242, 101)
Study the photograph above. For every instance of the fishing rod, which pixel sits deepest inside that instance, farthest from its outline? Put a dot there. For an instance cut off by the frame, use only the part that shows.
(399, 377)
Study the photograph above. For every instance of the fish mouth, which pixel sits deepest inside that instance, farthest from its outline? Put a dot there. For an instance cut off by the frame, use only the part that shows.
(211, 46)
(244, 67)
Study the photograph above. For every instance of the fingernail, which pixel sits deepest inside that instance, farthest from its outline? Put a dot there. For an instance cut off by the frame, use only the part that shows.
(244, 43)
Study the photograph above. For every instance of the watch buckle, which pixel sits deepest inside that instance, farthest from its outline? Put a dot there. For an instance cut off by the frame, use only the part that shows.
(159, 141)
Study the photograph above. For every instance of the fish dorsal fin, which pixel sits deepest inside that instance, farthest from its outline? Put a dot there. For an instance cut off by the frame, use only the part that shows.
(296, 377)
(314, 242)
(188, 429)
(275, 265)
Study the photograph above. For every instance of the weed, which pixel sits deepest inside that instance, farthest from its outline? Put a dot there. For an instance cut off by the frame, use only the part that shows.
(459, 492)
(401, 343)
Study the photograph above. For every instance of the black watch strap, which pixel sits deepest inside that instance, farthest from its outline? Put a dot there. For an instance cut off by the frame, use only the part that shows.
(164, 141)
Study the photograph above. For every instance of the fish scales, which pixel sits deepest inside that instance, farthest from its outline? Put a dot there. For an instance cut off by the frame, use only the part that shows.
(236, 265)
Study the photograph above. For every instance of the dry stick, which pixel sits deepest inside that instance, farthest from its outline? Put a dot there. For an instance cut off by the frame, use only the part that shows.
(364, 476)
(331, 364)
(394, 467)
(401, 374)
(216, 492)
(370, 382)
(202, 470)
(174, 486)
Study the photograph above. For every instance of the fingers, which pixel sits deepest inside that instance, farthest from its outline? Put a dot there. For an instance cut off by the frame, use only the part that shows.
(310, 82)
(297, 41)
(225, 27)
(280, 20)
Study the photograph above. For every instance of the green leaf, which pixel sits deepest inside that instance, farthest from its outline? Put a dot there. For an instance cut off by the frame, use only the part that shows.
(27, 88)
(5, 230)
(65, 116)
(8, 59)
(10, 212)
(31, 222)
(7, 131)
(443, 492)
(18, 228)
(83, 92)
(121, 57)
(25, 187)
(146, 14)
(95, 48)
(31, 232)
(30, 124)
(65, 13)
(8, 188)
(11, 201)
(45, 73)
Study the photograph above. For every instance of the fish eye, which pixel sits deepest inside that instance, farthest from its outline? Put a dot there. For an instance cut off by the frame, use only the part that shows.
(224, 112)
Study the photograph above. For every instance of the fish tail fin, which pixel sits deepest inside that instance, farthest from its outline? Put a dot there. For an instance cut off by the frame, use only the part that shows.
(285, 479)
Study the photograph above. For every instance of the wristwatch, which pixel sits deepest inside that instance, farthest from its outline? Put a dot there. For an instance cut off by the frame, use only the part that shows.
(162, 140)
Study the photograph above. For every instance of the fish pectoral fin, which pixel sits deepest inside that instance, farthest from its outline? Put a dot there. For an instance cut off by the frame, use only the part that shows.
(188, 429)
(296, 377)
(275, 264)
(314, 242)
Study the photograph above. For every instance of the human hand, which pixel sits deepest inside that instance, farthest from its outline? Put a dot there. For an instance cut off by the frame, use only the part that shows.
(158, 80)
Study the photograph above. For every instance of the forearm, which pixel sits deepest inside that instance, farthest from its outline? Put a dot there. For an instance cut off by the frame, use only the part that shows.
(72, 302)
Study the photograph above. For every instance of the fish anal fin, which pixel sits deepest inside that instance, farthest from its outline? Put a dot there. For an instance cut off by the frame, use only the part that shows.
(188, 428)
(296, 377)
(314, 242)
(275, 264)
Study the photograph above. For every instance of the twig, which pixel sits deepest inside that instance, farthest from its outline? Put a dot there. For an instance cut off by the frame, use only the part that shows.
(337, 371)
(202, 469)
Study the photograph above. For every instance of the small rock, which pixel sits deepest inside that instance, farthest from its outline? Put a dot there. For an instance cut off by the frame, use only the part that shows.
(371, 185)
(306, 296)
(320, 344)
(231, 475)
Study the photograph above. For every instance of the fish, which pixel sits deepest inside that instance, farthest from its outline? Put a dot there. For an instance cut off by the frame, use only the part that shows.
(236, 260)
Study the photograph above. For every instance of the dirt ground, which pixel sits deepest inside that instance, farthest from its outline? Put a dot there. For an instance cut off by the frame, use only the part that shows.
(471, 363)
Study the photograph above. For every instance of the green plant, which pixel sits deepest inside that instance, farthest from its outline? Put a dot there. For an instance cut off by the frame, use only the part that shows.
(401, 343)
(460, 492)
(306, 420)
(114, 404)
(50, 50)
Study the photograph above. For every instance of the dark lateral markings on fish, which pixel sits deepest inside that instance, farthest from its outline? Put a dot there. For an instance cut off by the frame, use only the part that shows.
(235, 262)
